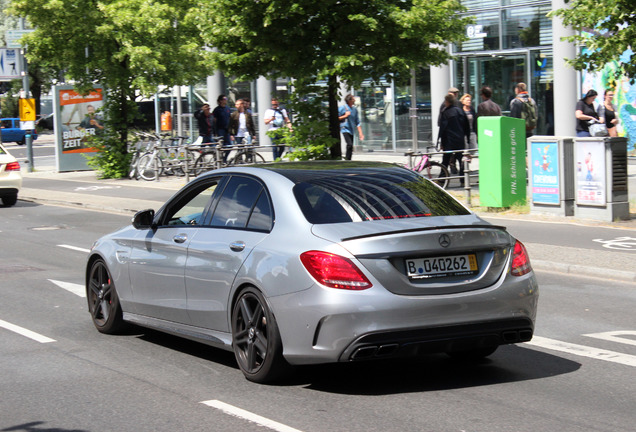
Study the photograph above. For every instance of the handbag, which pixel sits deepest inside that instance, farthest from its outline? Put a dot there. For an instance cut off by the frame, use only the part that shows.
(598, 130)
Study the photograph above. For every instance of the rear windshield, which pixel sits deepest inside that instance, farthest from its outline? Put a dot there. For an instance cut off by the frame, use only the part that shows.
(366, 195)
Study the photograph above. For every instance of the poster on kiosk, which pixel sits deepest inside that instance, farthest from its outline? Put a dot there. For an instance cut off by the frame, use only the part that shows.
(78, 117)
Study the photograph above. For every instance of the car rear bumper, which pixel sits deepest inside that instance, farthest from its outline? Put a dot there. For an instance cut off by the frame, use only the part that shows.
(341, 326)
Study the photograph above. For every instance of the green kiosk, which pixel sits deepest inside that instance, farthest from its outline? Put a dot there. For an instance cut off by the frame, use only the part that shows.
(502, 161)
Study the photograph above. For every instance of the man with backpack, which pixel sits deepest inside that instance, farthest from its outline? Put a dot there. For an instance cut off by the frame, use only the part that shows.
(524, 107)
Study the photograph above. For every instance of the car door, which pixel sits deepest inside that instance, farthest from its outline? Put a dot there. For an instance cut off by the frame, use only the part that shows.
(242, 218)
(158, 258)
(9, 133)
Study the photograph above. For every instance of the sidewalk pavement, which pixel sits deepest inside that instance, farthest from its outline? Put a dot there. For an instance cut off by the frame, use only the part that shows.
(109, 196)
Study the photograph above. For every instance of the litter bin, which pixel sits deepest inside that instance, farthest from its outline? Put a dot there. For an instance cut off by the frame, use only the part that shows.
(601, 178)
(551, 175)
(502, 161)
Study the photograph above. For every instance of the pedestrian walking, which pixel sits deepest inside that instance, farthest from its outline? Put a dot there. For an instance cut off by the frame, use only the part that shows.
(607, 113)
(205, 122)
(241, 124)
(454, 133)
(455, 92)
(275, 118)
(467, 105)
(586, 114)
(221, 116)
(349, 120)
(487, 107)
(524, 107)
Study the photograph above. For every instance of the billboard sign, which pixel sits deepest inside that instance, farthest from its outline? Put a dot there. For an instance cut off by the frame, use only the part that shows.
(77, 118)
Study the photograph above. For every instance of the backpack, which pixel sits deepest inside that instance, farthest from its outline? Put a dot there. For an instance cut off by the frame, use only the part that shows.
(529, 113)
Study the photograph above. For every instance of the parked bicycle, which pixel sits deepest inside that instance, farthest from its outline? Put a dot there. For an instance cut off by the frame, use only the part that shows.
(246, 155)
(430, 169)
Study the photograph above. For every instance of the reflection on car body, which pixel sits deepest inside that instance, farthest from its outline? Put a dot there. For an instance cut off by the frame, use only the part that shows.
(316, 262)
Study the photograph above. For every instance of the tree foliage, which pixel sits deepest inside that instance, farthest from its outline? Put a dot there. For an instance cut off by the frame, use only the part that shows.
(607, 28)
(350, 40)
(127, 46)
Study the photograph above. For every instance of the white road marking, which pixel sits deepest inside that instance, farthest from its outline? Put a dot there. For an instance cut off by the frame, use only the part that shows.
(75, 248)
(584, 351)
(246, 415)
(94, 188)
(76, 289)
(615, 336)
(24, 332)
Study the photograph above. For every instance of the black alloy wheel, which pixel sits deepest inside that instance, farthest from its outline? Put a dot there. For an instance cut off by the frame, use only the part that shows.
(103, 303)
(256, 339)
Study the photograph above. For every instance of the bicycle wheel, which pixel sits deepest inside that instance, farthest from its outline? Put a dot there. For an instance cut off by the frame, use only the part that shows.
(133, 166)
(149, 167)
(436, 172)
(205, 162)
(247, 157)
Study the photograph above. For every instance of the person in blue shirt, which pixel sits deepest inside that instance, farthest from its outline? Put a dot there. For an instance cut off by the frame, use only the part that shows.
(349, 120)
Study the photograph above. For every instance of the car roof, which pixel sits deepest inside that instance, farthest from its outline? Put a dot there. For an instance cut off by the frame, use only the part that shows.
(299, 172)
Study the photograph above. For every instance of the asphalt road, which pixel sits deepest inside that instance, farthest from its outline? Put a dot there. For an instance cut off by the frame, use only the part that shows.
(576, 374)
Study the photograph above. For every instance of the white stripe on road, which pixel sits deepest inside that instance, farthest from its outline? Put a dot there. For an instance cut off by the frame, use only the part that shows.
(24, 332)
(584, 351)
(75, 248)
(246, 415)
(615, 336)
(76, 289)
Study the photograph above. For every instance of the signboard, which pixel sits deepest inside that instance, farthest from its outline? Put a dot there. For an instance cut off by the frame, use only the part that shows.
(502, 161)
(77, 118)
(13, 36)
(10, 64)
(545, 172)
(27, 109)
(590, 173)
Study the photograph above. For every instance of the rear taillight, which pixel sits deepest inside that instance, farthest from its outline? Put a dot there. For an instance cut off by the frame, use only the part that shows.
(334, 271)
(520, 260)
(13, 166)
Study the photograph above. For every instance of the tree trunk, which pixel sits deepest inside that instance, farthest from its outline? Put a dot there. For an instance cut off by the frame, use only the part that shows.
(334, 123)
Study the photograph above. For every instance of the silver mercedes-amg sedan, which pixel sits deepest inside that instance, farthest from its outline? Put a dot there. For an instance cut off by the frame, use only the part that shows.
(301, 263)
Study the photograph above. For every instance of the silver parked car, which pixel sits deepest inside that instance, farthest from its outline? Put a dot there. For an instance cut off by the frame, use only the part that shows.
(316, 262)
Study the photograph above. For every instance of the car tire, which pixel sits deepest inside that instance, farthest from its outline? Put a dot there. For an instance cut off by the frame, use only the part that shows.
(103, 302)
(473, 354)
(9, 200)
(20, 142)
(255, 338)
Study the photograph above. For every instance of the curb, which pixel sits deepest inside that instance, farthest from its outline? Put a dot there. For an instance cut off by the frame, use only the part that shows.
(579, 270)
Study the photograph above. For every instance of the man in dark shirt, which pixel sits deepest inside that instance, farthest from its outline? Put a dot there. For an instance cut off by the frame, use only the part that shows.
(487, 107)
(454, 132)
(221, 116)
(204, 119)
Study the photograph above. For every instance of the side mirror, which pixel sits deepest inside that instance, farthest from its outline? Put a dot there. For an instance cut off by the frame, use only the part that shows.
(143, 219)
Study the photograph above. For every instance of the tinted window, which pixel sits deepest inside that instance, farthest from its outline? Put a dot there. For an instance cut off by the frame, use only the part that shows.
(239, 198)
(364, 195)
(189, 209)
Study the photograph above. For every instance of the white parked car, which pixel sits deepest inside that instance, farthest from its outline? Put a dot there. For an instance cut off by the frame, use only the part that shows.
(10, 178)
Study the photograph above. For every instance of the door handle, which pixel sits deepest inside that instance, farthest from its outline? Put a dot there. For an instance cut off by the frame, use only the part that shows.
(180, 238)
(237, 246)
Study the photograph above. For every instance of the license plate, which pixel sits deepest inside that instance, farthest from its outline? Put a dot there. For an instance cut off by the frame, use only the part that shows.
(434, 267)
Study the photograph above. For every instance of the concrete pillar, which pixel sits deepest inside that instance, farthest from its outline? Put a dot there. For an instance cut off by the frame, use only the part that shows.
(216, 87)
(566, 85)
(440, 83)
(265, 89)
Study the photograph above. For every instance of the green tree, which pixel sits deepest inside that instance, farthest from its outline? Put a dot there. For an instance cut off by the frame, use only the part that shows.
(128, 46)
(350, 40)
(607, 28)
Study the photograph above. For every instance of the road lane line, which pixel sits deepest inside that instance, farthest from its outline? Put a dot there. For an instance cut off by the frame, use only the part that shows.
(615, 336)
(24, 332)
(246, 415)
(584, 351)
(75, 248)
(76, 289)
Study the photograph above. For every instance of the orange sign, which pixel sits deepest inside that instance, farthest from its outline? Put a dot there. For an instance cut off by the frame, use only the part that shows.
(27, 109)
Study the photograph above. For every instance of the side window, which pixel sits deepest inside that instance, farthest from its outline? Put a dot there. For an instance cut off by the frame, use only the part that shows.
(237, 202)
(261, 218)
(189, 210)
(6, 123)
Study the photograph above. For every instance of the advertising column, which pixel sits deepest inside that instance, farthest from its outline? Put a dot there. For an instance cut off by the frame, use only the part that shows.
(77, 119)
